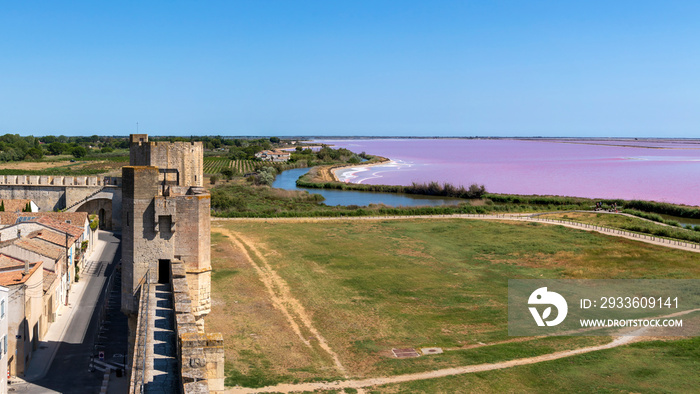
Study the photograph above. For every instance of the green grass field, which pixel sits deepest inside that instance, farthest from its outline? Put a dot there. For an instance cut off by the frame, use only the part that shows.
(369, 286)
(647, 367)
(628, 223)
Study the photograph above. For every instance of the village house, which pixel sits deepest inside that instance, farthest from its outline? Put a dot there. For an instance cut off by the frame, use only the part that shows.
(52, 241)
(58, 268)
(4, 292)
(275, 156)
(24, 282)
(75, 224)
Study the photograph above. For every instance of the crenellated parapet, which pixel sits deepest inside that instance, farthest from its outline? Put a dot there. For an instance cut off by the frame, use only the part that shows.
(55, 180)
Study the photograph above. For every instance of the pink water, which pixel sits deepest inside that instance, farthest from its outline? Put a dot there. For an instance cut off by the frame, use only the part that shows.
(604, 169)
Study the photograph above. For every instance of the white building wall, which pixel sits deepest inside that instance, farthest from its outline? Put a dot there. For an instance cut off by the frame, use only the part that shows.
(4, 341)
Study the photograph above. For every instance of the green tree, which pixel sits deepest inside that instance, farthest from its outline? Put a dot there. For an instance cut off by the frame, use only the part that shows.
(275, 140)
(35, 153)
(237, 154)
(266, 176)
(227, 173)
(56, 148)
(79, 152)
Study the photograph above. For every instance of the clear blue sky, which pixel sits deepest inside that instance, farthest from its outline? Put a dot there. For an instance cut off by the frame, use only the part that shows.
(463, 68)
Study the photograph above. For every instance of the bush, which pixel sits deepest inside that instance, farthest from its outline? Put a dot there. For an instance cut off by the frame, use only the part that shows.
(431, 189)
(664, 208)
(265, 176)
(227, 173)
(35, 153)
(79, 152)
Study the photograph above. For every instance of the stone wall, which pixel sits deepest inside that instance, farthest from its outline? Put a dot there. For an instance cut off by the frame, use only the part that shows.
(141, 245)
(50, 193)
(201, 355)
(138, 351)
(193, 248)
(170, 223)
(49, 180)
(185, 157)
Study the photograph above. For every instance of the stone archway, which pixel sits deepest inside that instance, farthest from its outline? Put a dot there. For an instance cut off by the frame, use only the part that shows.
(102, 207)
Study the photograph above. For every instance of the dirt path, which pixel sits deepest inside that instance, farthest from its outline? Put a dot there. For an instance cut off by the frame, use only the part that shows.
(281, 296)
(357, 384)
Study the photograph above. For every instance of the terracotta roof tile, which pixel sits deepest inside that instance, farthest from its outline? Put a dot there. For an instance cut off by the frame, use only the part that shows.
(15, 205)
(77, 219)
(13, 276)
(40, 247)
(71, 229)
(54, 237)
(9, 261)
(49, 278)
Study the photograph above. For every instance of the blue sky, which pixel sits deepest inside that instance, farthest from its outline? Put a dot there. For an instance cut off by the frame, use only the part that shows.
(386, 68)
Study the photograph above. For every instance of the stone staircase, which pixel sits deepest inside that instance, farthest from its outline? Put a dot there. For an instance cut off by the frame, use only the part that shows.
(162, 374)
(75, 204)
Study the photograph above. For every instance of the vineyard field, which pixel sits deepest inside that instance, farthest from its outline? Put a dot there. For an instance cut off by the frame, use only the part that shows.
(214, 165)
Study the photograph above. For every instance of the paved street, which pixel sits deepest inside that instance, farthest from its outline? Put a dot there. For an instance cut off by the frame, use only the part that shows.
(62, 362)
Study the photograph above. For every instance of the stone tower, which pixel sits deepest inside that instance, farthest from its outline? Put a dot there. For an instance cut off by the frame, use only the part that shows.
(165, 218)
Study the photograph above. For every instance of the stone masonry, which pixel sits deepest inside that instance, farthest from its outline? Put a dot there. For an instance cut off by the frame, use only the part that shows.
(166, 233)
(165, 217)
(49, 192)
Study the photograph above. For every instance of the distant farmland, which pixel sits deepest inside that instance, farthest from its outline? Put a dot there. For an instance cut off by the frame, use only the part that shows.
(214, 165)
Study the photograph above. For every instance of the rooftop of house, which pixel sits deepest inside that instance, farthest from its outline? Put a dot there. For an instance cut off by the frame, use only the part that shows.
(275, 152)
(40, 247)
(54, 237)
(15, 205)
(74, 230)
(49, 278)
(78, 219)
(9, 261)
(10, 276)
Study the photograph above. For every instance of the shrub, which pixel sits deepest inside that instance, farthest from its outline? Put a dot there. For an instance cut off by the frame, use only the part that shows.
(79, 152)
(227, 173)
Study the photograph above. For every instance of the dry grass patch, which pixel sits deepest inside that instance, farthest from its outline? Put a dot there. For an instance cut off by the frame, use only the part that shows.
(260, 346)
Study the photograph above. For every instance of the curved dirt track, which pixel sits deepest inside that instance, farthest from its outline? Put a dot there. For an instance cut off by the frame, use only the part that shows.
(363, 383)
